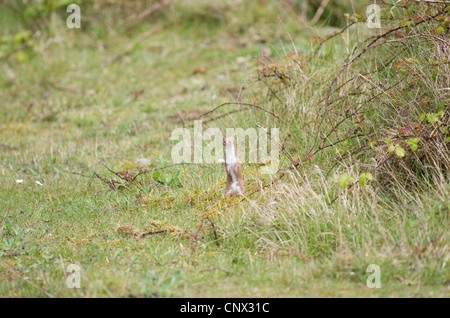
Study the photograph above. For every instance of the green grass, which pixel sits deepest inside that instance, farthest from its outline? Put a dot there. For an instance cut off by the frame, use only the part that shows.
(68, 109)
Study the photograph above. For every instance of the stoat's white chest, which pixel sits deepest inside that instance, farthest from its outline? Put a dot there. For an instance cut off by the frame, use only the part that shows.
(230, 160)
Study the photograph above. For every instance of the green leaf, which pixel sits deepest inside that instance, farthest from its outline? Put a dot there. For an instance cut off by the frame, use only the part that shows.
(344, 181)
(21, 36)
(399, 151)
(156, 175)
(362, 180)
(414, 147)
(432, 118)
(391, 148)
(21, 57)
(439, 30)
(364, 177)
(412, 141)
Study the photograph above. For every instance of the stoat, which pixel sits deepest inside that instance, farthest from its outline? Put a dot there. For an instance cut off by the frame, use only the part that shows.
(235, 182)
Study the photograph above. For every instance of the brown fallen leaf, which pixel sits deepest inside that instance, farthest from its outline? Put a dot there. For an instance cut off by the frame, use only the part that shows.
(199, 70)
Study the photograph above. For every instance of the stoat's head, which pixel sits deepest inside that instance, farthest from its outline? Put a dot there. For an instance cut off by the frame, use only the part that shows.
(228, 142)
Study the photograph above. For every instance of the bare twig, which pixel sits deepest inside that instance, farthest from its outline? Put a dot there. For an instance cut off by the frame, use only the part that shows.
(222, 115)
(332, 36)
(144, 14)
(130, 45)
(272, 182)
(169, 166)
(319, 12)
(370, 46)
(302, 19)
(294, 163)
(432, 1)
(152, 233)
(110, 183)
(241, 104)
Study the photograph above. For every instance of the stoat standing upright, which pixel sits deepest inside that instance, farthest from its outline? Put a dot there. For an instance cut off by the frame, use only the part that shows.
(235, 182)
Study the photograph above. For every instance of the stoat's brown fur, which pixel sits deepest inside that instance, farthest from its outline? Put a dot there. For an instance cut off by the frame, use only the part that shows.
(235, 182)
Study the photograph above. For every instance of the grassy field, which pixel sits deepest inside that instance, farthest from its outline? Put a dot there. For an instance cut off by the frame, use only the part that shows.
(78, 102)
